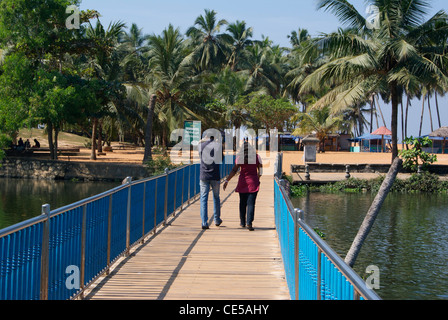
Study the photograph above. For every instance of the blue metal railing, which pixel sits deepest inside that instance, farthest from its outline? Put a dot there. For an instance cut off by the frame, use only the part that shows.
(313, 270)
(57, 255)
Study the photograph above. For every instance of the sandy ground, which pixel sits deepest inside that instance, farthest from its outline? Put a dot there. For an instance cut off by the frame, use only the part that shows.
(292, 157)
(131, 156)
(135, 156)
(296, 158)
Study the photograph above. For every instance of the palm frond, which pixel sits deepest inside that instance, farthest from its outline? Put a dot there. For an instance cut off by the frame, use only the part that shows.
(345, 11)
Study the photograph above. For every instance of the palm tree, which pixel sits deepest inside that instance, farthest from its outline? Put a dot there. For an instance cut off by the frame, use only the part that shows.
(228, 86)
(303, 59)
(378, 60)
(262, 70)
(133, 48)
(170, 79)
(210, 49)
(104, 66)
(299, 38)
(319, 122)
(355, 120)
(238, 39)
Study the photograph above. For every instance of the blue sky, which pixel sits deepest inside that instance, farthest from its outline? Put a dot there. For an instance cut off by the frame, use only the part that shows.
(272, 18)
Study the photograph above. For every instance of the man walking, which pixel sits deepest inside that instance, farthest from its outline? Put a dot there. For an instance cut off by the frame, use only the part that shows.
(210, 152)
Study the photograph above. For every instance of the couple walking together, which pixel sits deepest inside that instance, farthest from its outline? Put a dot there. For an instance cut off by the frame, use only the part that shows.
(248, 162)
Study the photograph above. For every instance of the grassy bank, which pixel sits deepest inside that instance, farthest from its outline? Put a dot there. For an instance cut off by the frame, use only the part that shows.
(417, 183)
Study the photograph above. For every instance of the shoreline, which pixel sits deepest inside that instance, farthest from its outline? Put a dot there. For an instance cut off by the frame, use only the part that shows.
(330, 166)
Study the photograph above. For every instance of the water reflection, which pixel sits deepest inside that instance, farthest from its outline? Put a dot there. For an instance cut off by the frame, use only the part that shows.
(23, 199)
(409, 241)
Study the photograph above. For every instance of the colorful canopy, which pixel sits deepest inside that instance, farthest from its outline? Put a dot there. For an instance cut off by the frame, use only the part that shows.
(441, 132)
(383, 131)
(370, 137)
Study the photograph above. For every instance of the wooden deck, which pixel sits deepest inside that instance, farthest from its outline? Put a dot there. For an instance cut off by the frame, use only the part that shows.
(184, 262)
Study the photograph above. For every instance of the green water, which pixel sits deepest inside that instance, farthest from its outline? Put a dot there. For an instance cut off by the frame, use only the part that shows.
(23, 199)
(409, 240)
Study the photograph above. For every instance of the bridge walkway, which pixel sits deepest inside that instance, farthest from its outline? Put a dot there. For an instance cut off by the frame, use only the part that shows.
(183, 262)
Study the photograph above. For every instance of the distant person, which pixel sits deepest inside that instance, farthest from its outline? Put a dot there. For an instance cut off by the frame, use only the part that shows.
(248, 183)
(209, 176)
(36, 144)
(20, 145)
(27, 144)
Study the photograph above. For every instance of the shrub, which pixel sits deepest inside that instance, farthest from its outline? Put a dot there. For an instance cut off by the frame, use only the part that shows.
(415, 155)
(299, 190)
(424, 182)
(158, 164)
(5, 141)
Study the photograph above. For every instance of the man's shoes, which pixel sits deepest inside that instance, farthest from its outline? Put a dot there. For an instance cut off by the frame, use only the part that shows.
(250, 228)
(218, 223)
(205, 227)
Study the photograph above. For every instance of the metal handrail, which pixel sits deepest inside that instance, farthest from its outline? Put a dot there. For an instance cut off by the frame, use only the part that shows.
(350, 275)
(31, 241)
(32, 221)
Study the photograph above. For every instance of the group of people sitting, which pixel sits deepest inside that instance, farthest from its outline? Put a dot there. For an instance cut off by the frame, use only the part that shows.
(24, 145)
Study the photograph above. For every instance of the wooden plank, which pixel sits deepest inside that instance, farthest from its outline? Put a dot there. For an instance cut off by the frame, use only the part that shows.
(222, 263)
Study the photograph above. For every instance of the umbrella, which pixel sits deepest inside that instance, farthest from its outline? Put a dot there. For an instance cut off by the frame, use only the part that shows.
(383, 131)
(442, 133)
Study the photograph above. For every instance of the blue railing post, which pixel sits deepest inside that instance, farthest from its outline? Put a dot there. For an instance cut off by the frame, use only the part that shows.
(167, 172)
(155, 206)
(143, 212)
(182, 196)
(189, 184)
(296, 251)
(128, 216)
(109, 234)
(83, 248)
(44, 268)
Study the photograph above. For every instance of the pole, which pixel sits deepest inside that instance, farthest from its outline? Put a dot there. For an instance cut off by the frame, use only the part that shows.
(45, 254)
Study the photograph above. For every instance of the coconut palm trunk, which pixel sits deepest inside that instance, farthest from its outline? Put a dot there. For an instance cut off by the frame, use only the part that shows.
(148, 133)
(437, 108)
(421, 117)
(50, 139)
(430, 112)
(394, 121)
(93, 147)
(371, 215)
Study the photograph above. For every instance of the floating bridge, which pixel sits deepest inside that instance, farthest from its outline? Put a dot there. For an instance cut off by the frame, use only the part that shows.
(143, 240)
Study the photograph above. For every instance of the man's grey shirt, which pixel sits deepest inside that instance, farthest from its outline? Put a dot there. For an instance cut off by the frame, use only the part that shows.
(210, 153)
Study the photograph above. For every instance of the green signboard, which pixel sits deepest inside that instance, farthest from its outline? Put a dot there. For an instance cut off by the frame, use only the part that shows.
(193, 128)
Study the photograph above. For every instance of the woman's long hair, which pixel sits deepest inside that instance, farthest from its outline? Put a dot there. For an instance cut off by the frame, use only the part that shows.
(247, 154)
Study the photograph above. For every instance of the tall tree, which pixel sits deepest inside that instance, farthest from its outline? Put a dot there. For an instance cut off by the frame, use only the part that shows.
(170, 79)
(105, 70)
(320, 122)
(133, 47)
(149, 127)
(209, 52)
(378, 60)
(239, 38)
(261, 70)
(37, 33)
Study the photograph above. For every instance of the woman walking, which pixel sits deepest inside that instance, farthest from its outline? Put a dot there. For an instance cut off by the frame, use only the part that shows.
(249, 162)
